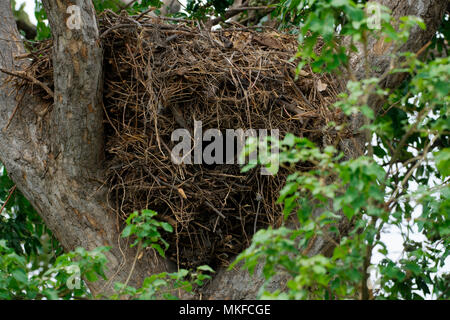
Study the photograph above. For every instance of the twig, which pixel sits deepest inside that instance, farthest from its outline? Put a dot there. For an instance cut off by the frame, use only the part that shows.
(129, 4)
(214, 209)
(418, 53)
(11, 191)
(132, 267)
(23, 75)
(14, 112)
(117, 27)
(410, 171)
(145, 12)
(405, 137)
(233, 12)
(299, 92)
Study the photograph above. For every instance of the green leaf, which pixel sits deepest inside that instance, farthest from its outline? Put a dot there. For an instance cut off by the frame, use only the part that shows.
(205, 268)
(158, 248)
(442, 159)
(20, 276)
(167, 227)
(128, 231)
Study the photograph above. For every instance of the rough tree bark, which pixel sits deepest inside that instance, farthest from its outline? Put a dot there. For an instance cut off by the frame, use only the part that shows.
(57, 165)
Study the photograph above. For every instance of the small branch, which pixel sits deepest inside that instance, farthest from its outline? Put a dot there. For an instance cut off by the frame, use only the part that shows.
(214, 209)
(421, 50)
(129, 4)
(233, 12)
(11, 191)
(14, 111)
(405, 137)
(23, 75)
(80, 137)
(365, 294)
(145, 12)
(133, 266)
(410, 171)
(125, 25)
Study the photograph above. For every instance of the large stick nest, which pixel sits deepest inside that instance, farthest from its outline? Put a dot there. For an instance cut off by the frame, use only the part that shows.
(161, 76)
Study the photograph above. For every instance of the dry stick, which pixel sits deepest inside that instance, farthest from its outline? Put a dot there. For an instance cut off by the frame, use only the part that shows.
(145, 12)
(125, 25)
(256, 218)
(129, 4)
(132, 267)
(214, 209)
(175, 19)
(24, 55)
(119, 268)
(178, 115)
(299, 92)
(23, 75)
(249, 28)
(14, 112)
(11, 191)
(421, 50)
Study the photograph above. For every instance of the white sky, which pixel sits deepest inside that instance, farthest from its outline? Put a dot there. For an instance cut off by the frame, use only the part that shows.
(29, 8)
(392, 238)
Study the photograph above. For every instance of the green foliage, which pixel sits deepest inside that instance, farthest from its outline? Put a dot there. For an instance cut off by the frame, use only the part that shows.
(145, 229)
(20, 225)
(141, 6)
(102, 5)
(70, 267)
(61, 277)
(355, 188)
(61, 280)
(402, 181)
(28, 249)
(320, 20)
(165, 285)
(42, 28)
(14, 281)
(201, 9)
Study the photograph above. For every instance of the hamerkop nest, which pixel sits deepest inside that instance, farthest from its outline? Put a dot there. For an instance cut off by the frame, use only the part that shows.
(161, 75)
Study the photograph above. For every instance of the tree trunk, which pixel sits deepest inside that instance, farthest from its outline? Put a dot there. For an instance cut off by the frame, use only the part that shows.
(57, 164)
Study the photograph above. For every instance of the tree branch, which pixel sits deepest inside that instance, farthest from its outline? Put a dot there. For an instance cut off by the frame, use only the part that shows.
(51, 160)
(77, 129)
(235, 11)
(379, 51)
